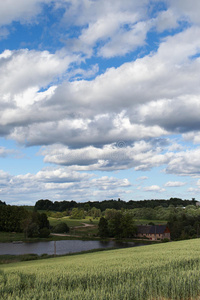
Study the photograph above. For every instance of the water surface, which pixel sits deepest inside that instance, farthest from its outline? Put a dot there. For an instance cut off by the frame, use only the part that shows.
(62, 247)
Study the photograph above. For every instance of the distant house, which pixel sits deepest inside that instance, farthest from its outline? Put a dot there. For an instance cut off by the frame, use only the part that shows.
(153, 232)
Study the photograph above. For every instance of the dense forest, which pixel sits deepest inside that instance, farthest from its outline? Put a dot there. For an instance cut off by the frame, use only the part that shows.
(116, 204)
(18, 219)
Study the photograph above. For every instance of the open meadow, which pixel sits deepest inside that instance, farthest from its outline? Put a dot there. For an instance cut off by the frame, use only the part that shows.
(163, 271)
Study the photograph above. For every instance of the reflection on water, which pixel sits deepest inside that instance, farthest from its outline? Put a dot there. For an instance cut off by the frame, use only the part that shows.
(62, 247)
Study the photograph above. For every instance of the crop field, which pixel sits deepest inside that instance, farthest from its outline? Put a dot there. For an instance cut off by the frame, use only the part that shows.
(164, 271)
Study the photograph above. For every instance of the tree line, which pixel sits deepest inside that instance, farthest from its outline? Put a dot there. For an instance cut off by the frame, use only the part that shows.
(184, 223)
(115, 204)
(18, 219)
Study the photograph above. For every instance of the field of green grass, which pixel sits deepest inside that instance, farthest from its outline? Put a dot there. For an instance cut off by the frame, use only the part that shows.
(79, 222)
(77, 227)
(6, 237)
(72, 222)
(145, 221)
(163, 271)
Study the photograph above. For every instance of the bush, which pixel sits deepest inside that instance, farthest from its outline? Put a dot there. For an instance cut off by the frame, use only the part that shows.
(61, 228)
(165, 240)
(44, 232)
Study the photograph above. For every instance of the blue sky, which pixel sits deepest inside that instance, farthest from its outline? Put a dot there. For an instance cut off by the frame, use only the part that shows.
(100, 99)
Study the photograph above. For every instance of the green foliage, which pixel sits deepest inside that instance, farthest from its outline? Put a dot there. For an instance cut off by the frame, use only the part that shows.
(61, 228)
(111, 204)
(77, 213)
(94, 213)
(120, 224)
(183, 225)
(164, 271)
(33, 225)
(110, 213)
(32, 230)
(114, 225)
(128, 227)
(165, 240)
(103, 228)
(44, 232)
(11, 217)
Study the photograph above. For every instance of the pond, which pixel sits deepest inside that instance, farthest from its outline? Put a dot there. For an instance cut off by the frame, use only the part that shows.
(60, 247)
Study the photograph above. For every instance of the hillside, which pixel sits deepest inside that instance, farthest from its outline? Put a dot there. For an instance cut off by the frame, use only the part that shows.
(164, 271)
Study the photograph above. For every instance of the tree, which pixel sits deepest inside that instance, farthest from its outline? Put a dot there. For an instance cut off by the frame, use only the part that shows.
(34, 224)
(94, 212)
(114, 225)
(103, 227)
(77, 213)
(128, 227)
(61, 228)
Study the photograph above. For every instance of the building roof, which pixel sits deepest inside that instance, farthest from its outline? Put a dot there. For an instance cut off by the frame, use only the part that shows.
(151, 229)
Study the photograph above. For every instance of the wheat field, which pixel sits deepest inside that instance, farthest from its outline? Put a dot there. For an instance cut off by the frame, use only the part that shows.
(164, 271)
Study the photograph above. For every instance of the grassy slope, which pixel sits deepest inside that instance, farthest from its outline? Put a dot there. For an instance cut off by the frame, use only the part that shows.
(164, 271)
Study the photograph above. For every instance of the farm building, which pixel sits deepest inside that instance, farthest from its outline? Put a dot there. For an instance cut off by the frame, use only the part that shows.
(153, 232)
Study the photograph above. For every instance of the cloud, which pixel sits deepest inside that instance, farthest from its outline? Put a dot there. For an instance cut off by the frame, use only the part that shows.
(174, 184)
(3, 33)
(125, 41)
(15, 74)
(138, 100)
(185, 163)
(188, 11)
(154, 188)
(53, 183)
(7, 152)
(115, 29)
(21, 10)
(166, 20)
(193, 136)
(88, 118)
(141, 156)
(142, 178)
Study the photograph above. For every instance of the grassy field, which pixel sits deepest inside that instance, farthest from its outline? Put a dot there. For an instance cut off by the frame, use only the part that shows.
(145, 221)
(73, 222)
(164, 271)
(79, 222)
(77, 226)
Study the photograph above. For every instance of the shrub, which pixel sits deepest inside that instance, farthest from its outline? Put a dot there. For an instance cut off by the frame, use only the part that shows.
(61, 228)
(165, 240)
(44, 232)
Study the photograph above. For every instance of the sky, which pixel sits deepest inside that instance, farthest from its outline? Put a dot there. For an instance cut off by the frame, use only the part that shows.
(99, 99)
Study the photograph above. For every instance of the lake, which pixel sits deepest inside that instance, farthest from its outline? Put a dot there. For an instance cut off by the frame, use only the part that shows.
(62, 247)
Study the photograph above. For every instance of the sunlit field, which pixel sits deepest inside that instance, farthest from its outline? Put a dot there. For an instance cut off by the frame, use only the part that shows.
(164, 271)
(73, 222)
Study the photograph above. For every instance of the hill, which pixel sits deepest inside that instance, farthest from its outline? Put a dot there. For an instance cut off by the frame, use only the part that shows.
(164, 271)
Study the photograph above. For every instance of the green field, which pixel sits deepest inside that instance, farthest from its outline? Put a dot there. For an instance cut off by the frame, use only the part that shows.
(79, 222)
(145, 221)
(72, 222)
(164, 271)
(77, 226)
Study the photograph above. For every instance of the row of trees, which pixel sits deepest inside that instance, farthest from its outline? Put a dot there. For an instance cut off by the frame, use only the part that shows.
(157, 213)
(183, 223)
(61, 206)
(117, 224)
(18, 219)
(184, 226)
